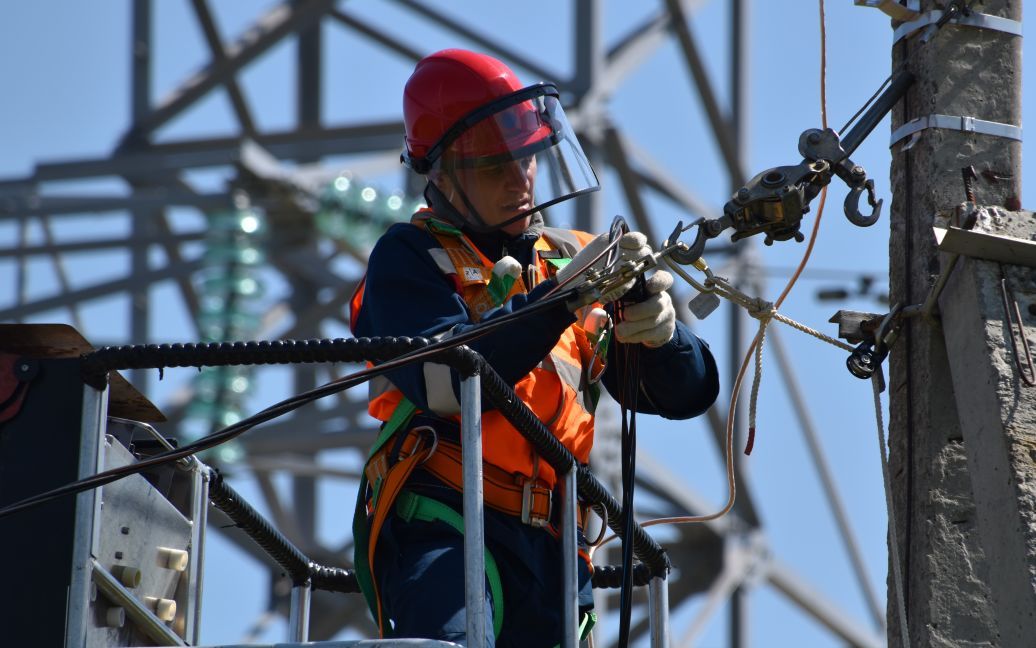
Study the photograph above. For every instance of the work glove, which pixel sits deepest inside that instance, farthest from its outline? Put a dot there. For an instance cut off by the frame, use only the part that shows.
(632, 245)
(653, 320)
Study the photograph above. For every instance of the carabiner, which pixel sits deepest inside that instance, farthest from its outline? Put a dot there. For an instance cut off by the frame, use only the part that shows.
(697, 248)
(852, 205)
(615, 232)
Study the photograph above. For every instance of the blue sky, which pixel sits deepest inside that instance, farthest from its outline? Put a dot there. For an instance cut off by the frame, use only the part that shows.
(67, 79)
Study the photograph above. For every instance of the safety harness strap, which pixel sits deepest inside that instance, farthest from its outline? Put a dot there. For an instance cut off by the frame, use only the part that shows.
(411, 506)
(365, 536)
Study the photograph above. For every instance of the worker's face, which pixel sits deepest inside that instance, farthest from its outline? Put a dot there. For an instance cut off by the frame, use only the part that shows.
(498, 192)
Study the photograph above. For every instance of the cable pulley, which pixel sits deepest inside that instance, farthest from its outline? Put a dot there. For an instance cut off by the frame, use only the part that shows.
(775, 200)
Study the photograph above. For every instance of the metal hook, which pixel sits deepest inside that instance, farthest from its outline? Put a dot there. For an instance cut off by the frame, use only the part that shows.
(852, 205)
(693, 253)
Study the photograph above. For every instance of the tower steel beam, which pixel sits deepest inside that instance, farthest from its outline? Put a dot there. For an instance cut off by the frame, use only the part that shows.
(219, 54)
(826, 475)
(36, 205)
(376, 35)
(97, 244)
(489, 45)
(293, 144)
(281, 20)
(631, 51)
(127, 284)
(653, 174)
(719, 122)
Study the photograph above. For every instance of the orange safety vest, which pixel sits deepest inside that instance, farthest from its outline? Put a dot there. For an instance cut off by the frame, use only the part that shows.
(557, 390)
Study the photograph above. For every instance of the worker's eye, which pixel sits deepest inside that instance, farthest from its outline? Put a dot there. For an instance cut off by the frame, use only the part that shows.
(500, 169)
(492, 170)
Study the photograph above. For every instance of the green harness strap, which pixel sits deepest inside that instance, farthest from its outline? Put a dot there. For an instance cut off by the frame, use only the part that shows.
(411, 506)
(361, 532)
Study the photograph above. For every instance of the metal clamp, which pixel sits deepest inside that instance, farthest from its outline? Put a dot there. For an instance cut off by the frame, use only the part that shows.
(971, 19)
(959, 123)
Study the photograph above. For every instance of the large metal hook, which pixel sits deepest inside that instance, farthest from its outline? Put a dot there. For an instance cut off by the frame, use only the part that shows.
(852, 205)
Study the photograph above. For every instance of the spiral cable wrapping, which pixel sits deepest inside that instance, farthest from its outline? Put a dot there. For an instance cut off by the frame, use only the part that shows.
(157, 356)
(278, 547)
(333, 579)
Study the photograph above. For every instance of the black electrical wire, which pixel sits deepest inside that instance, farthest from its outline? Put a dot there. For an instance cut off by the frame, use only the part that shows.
(424, 350)
(867, 104)
(630, 363)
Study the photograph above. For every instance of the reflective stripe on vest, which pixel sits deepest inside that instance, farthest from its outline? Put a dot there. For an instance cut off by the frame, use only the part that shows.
(556, 390)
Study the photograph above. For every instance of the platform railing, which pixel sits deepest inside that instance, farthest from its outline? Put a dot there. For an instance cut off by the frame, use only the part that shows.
(477, 379)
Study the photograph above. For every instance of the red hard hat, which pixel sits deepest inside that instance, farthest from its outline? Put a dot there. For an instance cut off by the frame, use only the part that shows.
(448, 86)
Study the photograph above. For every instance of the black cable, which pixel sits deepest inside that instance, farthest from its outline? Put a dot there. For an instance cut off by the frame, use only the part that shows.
(276, 545)
(631, 387)
(867, 103)
(629, 363)
(97, 364)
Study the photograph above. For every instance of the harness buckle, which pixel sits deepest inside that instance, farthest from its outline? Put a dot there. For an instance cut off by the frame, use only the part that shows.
(420, 433)
(529, 514)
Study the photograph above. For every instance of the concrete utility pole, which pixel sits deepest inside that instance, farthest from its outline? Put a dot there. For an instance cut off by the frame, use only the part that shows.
(962, 418)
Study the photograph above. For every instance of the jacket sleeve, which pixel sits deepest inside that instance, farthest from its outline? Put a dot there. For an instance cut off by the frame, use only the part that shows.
(678, 380)
(407, 294)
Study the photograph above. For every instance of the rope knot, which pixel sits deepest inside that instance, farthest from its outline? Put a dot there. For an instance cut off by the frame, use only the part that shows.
(760, 309)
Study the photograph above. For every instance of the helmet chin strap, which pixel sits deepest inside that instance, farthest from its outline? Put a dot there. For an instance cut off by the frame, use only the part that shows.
(444, 207)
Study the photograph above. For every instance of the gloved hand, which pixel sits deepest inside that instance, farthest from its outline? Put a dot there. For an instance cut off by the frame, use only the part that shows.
(652, 321)
(632, 245)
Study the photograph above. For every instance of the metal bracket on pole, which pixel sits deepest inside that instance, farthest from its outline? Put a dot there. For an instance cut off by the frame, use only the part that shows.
(971, 19)
(856, 326)
(955, 122)
(983, 245)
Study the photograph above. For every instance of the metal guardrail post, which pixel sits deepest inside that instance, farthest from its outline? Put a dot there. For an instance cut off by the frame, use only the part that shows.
(658, 611)
(298, 614)
(474, 532)
(569, 561)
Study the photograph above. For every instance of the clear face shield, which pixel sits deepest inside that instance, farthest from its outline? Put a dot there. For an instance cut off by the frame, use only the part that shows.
(510, 159)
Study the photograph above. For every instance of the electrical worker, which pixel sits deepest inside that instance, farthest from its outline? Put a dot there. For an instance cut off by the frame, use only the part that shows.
(496, 155)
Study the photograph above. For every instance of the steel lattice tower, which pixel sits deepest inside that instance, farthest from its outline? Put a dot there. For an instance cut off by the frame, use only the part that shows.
(280, 173)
